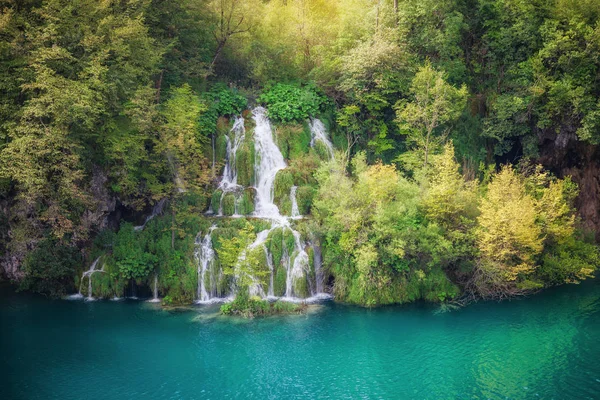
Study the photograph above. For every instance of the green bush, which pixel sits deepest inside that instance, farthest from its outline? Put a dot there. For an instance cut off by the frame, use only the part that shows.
(220, 100)
(288, 103)
(249, 307)
(49, 269)
(571, 261)
(304, 198)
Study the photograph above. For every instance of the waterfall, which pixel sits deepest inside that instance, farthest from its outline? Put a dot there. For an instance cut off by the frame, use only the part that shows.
(269, 161)
(269, 257)
(319, 133)
(87, 274)
(155, 298)
(300, 267)
(229, 179)
(205, 257)
(295, 210)
(156, 210)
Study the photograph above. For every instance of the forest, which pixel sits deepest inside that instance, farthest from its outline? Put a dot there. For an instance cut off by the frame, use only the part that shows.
(461, 160)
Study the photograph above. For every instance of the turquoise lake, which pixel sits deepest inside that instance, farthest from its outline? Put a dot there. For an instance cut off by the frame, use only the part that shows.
(545, 346)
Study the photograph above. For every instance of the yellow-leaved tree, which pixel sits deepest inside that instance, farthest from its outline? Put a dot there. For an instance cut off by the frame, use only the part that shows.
(508, 237)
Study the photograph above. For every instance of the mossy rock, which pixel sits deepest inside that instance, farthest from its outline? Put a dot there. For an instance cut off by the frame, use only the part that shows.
(284, 181)
(289, 240)
(279, 280)
(303, 169)
(293, 140)
(216, 200)
(229, 204)
(275, 244)
(245, 162)
(246, 202)
(300, 285)
(285, 207)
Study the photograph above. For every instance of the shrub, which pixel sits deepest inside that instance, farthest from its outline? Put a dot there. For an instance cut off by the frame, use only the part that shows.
(49, 269)
(287, 103)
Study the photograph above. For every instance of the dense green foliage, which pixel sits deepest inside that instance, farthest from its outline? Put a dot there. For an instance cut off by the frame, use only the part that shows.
(109, 107)
(288, 103)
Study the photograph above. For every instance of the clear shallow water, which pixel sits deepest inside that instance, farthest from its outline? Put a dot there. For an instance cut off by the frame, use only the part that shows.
(546, 346)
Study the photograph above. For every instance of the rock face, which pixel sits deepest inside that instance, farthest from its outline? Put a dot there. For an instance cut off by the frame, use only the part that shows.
(93, 219)
(565, 155)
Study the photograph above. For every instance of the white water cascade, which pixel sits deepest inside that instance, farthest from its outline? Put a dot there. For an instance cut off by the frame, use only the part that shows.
(269, 161)
(155, 298)
(87, 274)
(319, 133)
(205, 257)
(228, 182)
(296, 264)
(295, 210)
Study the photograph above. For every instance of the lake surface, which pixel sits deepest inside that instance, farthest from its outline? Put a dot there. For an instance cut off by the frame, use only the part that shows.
(546, 346)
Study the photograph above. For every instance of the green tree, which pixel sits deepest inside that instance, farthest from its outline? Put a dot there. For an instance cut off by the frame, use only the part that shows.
(434, 103)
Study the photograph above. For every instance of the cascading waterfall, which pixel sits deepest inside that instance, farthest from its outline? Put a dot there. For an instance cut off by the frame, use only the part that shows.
(295, 210)
(205, 257)
(228, 182)
(155, 298)
(229, 179)
(268, 162)
(319, 133)
(269, 257)
(87, 274)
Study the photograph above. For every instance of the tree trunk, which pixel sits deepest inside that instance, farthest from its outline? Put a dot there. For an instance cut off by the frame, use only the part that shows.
(159, 85)
(396, 12)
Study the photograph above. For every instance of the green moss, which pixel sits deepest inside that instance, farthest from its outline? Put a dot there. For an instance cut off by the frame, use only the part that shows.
(229, 204)
(282, 185)
(321, 151)
(245, 162)
(275, 244)
(279, 280)
(250, 307)
(293, 140)
(261, 269)
(289, 241)
(215, 200)
(220, 152)
(246, 202)
(301, 287)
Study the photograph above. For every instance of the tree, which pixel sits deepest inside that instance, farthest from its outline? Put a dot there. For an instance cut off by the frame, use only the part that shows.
(231, 20)
(508, 236)
(182, 140)
(434, 103)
